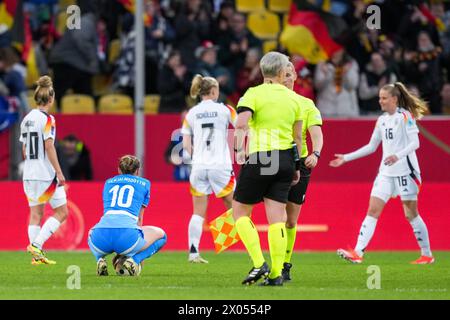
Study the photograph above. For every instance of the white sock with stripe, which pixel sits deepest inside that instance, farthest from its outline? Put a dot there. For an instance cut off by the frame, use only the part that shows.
(365, 234)
(421, 233)
(50, 226)
(195, 233)
(33, 231)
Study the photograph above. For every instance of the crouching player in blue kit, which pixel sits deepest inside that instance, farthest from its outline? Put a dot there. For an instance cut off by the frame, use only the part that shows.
(120, 230)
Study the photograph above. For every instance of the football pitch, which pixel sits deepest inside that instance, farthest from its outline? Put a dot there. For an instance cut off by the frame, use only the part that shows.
(169, 276)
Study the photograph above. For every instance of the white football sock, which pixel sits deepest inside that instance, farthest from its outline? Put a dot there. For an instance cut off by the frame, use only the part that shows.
(365, 234)
(195, 233)
(421, 233)
(50, 226)
(33, 231)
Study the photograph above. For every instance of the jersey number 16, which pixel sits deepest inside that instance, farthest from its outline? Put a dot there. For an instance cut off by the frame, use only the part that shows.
(389, 134)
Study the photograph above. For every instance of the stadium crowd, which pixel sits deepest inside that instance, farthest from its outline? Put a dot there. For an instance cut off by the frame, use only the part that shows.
(210, 37)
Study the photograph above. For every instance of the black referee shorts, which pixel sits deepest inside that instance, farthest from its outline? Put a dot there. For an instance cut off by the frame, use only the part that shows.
(297, 193)
(259, 178)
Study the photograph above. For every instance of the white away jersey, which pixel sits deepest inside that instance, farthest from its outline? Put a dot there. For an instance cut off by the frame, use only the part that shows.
(36, 127)
(394, 131)
(208, 122)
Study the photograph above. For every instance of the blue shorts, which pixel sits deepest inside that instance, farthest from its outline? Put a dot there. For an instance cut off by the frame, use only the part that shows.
(123, 241)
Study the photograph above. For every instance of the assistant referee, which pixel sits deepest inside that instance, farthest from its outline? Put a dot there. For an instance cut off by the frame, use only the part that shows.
(272, 117)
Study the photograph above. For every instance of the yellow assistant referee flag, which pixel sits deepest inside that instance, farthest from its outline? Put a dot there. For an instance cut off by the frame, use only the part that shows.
(224, 232)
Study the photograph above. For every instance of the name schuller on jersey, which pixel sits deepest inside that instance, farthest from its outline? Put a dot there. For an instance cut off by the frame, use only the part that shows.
(213, 114)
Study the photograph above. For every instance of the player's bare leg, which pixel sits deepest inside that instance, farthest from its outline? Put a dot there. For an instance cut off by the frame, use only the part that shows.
(376, 206)
(195, 229)
(420, 231)
(293, 213)
(50, 226)
(228, 200)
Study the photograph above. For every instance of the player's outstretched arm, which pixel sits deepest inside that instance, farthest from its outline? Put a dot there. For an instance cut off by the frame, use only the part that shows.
(338, 161)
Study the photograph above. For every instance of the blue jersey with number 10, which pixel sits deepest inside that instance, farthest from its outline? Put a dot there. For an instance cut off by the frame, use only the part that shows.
(123, 197)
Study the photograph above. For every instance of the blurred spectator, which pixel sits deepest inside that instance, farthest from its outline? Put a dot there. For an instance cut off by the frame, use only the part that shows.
(423, 68)
(208, 66)
(74, 158)
(375, 75)
(250, 75)
(12, 78)
(304, 85)
(413, 21)
(74, 58)
(123, 78)
(336, 82)
(235, 44)
(174, 155)
(173, 84)
(445, 95)
(438, 10)
(222, 22)
(192, 26)
(158, 35)
(102, 46)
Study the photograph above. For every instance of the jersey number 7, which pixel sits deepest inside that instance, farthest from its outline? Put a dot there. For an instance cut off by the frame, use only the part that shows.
(209, 126)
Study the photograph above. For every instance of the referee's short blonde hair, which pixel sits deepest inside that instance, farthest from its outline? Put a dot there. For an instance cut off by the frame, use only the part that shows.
(272, 63)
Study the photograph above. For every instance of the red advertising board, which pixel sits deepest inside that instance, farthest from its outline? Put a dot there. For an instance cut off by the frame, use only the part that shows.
(331, 217)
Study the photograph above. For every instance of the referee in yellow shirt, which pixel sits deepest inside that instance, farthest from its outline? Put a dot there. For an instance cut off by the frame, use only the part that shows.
(271, 115)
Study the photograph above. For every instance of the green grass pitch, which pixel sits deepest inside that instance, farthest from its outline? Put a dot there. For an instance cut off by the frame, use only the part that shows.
(169, 276)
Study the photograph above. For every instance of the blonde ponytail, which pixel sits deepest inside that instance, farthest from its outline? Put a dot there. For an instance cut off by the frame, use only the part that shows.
(201, 86)
(407, 100)
(44, 91)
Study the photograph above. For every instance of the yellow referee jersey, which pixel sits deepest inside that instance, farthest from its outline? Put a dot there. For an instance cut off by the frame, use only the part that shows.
(275, 110)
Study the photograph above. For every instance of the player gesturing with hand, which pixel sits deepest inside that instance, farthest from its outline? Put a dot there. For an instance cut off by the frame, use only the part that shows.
(399, 172)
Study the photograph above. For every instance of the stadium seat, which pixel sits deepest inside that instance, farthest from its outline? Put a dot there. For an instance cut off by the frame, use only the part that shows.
(77, 103)
(270, 45)
(280, 6)
(115, 103)
(265, 24)
(246, 6)
(114, 50)
(151, 103)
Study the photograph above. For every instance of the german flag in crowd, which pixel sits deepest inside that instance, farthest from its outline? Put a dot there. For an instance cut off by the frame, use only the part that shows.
(7, 10)
(312, 33)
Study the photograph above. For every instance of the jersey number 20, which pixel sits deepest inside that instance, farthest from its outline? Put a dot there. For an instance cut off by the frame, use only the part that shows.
(119, 195)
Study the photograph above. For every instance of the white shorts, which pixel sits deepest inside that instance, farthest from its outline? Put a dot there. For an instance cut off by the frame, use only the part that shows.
(407, 187)
(41, 192)
(205, 181)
